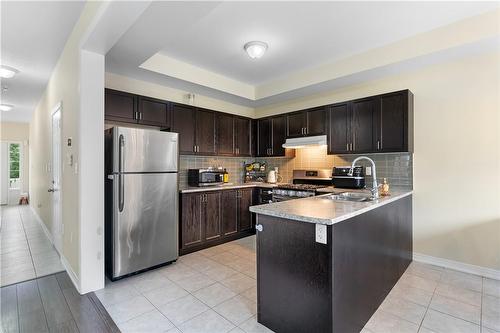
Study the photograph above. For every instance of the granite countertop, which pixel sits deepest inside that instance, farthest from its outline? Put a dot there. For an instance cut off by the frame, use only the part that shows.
(227, 186)
(321, 210)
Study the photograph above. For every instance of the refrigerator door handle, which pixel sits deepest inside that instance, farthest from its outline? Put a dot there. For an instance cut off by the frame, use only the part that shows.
(121, 185)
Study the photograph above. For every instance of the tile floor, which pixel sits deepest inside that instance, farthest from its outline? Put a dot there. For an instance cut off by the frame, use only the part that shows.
(25, 250)
(214, 291)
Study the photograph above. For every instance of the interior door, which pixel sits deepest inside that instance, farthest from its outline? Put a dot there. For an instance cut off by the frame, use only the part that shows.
(55, 188)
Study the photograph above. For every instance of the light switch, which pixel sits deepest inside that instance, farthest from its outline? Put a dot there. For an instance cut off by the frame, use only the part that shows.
(321, 234)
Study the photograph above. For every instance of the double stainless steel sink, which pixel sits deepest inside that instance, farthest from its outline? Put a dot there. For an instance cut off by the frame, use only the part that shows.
(351, 196)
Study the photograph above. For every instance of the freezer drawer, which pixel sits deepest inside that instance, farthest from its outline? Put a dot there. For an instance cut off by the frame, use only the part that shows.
(145, 221)
(139, 150)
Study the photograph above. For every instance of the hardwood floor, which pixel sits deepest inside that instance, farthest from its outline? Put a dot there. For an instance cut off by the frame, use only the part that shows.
(52, 304)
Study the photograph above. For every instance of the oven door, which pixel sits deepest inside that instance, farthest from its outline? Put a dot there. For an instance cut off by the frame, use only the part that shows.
(280, 197)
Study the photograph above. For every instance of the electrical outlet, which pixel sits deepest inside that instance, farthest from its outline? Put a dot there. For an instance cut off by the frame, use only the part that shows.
(368, 171)
(321, 233)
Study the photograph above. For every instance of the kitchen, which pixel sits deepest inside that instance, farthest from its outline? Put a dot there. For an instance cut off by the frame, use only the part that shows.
(288, 174)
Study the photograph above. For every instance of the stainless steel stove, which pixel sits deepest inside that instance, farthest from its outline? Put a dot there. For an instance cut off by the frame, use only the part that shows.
(305, 184)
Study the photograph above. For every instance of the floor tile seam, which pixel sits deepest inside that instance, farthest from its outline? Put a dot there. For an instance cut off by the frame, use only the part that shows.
(456, 299)
(426, 311)
(43, 306)
(26, 237)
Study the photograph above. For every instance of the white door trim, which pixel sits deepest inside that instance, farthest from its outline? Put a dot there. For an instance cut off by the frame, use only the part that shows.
(57, 224)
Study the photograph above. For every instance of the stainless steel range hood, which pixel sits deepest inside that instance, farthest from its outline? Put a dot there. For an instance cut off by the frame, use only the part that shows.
(305, 141)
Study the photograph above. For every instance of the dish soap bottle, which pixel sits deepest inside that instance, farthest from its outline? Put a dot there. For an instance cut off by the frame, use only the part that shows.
(226, 176)
(385, 188)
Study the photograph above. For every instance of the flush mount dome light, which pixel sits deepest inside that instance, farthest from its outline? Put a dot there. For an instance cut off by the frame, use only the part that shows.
(255, 49)
(7, 72)
(5, 107)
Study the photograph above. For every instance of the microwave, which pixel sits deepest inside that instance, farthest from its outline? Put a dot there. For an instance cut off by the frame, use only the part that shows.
(205, 177)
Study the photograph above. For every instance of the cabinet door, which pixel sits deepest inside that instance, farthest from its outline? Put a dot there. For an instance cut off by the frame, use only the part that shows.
(243, 136)
(211, 215)
(278, 135)
(316, 121)
(244, 214)
(296, 124)
(263, 137)
(362, 121)
(392, 123)
(205, 132)
(183, 122)
(225, 135)
(339, 133)
(154, 112)
(191, 226)
(120, 106)
(229, 212)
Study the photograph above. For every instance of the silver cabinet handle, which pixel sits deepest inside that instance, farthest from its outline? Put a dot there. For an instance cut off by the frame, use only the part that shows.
(351, 147)
(347, 146)
(259, 227)
(378, 145)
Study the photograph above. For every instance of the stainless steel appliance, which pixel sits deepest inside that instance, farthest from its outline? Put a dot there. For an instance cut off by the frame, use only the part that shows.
(141, 200)
(205, 177)
(305, 184)
(343, 179)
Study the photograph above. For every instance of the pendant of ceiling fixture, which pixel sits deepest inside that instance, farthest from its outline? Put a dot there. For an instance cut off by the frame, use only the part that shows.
(6, 107)
(7, 72)
(255, 49)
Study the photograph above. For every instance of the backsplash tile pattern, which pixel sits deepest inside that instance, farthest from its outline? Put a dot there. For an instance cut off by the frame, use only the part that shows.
(396, 167)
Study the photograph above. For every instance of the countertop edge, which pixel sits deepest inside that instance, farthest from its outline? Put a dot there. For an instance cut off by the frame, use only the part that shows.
(226, 187)
(316, 220)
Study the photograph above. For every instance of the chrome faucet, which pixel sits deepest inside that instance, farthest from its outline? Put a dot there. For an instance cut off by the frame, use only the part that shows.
(374, 189)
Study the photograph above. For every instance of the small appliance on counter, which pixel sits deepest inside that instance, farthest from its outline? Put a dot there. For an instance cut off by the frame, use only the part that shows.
(273, 177)
(341, 178)
(206, 177)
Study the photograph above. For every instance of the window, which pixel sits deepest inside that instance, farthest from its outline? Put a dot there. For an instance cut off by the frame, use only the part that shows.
(14, 165)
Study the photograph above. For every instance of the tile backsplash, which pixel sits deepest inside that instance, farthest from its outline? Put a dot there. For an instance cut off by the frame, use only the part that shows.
(396, 167)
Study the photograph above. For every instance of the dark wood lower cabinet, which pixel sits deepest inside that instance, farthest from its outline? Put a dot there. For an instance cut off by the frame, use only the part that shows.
(214, 217)
(304, 286)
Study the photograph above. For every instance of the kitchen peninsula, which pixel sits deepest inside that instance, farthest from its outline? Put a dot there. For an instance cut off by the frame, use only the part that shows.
(325, 265)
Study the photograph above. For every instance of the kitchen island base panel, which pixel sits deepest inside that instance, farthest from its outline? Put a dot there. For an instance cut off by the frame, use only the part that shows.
(305, 286)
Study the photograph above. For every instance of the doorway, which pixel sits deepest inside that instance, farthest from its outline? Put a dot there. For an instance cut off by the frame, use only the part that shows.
(11, 172)
(55, 188)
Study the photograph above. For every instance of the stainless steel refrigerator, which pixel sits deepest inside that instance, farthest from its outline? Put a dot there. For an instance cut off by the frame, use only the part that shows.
(141, 201)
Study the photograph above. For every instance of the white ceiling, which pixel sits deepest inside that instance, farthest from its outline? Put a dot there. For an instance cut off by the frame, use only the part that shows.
(301, 35)
(33, 35)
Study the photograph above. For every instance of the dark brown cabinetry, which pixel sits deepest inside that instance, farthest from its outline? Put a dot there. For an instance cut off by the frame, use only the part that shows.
(154, 112)
(120, 106)
(382, 123)
(271, 135)
(196, 128)
(129, 108)
(233, 135)
(214, 217)
(307, 122)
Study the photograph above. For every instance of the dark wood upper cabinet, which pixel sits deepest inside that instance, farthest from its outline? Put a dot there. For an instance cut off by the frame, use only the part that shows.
(225, 134)
(191, 222)
(183, 122)
(316, 121)
(393, 127)
(339, 129)
(362, 124)
(243, 136)
(307, 122)
(120, 106)
(205, 132)
(278, 137)
(245, 200)
(154, 112)
(263, 137)
(229, 213)
(377, 124)
(296, 124)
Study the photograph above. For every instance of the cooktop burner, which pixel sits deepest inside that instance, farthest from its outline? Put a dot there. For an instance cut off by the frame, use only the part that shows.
(300, 187)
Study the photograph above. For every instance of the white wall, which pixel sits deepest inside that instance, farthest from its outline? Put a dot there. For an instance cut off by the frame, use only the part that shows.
(456, 157)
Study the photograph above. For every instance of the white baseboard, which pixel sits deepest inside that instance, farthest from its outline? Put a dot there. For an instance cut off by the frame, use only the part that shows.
(44, 227)
(71, 273)
(64, 261)
(458, 266)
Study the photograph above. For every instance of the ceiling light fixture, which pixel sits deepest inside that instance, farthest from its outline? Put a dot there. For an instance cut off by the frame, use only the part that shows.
(255, 49)
(5, 107)
(7, 72)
